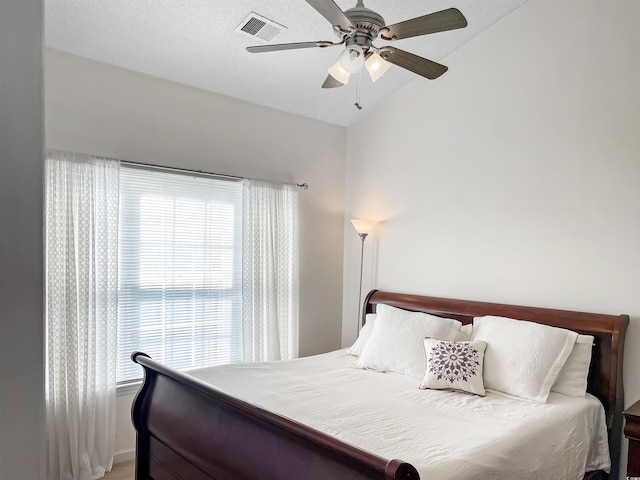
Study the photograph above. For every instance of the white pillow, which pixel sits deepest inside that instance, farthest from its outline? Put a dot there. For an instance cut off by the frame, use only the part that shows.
(363, 337)
(522, 358)
(396, 342)
(454, 365)
(572, 380)
(464, 334)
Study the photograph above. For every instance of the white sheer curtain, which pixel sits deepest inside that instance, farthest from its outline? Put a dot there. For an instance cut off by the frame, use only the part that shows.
(82, 304)
(270, 271)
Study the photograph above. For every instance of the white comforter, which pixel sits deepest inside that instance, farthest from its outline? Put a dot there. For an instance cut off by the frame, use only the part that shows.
(445, 435)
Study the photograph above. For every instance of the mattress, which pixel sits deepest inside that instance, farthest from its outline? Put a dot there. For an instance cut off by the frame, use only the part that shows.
(446, 435)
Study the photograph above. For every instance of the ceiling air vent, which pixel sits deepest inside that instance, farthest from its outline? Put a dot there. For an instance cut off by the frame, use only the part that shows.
(257, 26)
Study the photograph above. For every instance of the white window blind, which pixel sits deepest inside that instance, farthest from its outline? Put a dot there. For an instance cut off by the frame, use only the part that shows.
(180, 267)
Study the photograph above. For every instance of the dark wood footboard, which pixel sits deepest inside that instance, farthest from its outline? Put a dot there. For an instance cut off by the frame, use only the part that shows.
(187, 429)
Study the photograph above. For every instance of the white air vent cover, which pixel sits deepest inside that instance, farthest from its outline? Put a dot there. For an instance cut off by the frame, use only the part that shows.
(257, 26)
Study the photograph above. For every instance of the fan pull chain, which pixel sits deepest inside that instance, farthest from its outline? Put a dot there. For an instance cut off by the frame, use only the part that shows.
(357, 104)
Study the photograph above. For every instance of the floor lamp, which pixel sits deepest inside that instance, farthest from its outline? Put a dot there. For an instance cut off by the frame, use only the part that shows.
(364, 228)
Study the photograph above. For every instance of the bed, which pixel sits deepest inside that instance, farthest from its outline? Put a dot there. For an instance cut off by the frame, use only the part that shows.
(187, 428)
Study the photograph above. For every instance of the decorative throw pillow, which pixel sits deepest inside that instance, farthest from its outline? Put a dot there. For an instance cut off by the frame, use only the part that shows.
(522, 358)
(363, 337)
(572, 380)
(454, 365)
(396, 342)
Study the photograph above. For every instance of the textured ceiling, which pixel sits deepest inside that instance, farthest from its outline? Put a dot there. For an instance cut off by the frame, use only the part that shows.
(194, 42)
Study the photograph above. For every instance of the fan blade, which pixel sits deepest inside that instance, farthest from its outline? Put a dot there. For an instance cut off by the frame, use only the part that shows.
(331, 82)
(427, 68)
(442, 21)
(332, 12)
(289, 46)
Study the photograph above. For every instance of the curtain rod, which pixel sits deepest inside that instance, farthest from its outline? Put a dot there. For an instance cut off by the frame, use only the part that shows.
(186, 171)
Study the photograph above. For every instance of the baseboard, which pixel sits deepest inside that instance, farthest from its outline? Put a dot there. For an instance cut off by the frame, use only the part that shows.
(124, 456)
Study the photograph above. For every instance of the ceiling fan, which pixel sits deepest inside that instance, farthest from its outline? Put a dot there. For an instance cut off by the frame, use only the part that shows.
(358, 27)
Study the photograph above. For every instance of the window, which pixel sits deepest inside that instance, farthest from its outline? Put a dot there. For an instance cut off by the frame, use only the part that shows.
(180, 270)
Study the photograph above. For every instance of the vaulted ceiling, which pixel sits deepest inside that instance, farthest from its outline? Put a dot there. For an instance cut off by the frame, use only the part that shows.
(195, 42)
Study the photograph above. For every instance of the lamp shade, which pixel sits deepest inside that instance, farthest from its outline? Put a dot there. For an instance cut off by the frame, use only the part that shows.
(352, 59)
(376, 66)
(337, 72)
(363, 226)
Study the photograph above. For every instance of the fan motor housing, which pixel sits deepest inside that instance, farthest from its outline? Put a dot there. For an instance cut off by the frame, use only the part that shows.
(367, 24)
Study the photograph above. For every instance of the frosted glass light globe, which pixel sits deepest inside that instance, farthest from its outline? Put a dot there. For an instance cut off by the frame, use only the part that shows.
(337, 72)
(352, 59)
(376, 66)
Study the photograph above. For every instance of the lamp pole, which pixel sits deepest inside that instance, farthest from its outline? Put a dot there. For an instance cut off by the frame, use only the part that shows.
(362, 237)
(363, 227)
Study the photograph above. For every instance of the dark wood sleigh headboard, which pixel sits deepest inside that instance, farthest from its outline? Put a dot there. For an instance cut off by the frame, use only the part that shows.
(605, 373)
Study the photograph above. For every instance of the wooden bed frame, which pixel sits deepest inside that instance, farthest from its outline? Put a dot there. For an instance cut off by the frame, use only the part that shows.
(189, 430)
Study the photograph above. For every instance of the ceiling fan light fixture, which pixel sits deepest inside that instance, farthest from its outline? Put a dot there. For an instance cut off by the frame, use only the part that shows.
(339, 73)
(359, 27)
(352, 58)
(376, 66)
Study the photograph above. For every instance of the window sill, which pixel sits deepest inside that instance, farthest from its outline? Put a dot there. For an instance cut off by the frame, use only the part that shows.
(128, 388)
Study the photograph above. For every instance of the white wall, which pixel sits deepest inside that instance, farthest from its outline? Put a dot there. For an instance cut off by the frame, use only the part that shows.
(21, 259)
(100, 109)
(515, 177)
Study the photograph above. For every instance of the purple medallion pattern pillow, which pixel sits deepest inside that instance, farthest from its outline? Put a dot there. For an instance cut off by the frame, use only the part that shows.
(454, 365)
